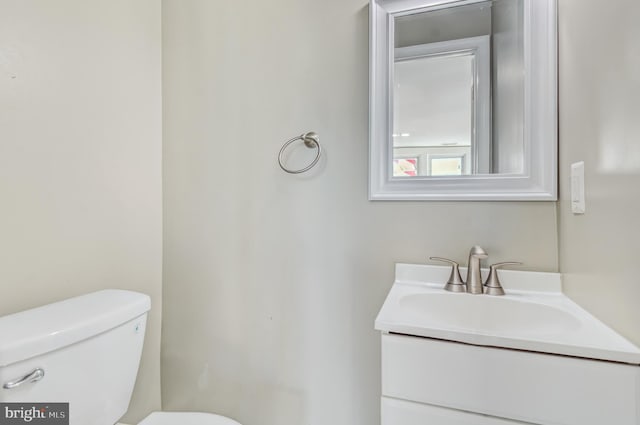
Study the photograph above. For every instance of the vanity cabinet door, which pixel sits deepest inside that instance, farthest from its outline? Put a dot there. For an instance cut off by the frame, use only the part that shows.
(520, 385)
(400, 412)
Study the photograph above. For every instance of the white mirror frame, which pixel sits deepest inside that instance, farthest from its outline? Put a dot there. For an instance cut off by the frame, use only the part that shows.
(538, 182)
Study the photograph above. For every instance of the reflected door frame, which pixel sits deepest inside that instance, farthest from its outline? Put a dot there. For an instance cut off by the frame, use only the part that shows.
(480, 91)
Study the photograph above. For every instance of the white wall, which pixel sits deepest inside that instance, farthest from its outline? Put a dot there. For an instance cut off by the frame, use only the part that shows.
(272, 281)
(80, 158)
(599, 110)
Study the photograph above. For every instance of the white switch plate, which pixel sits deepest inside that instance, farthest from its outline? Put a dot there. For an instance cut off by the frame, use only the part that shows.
(577, 188)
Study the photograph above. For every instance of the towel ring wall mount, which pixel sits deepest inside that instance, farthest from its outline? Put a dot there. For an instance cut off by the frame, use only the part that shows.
(310, 140)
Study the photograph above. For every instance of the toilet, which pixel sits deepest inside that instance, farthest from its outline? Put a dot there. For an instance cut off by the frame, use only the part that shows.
(186, 418)
(84, 351)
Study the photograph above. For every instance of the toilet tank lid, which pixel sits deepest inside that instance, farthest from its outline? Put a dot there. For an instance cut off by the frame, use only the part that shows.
(37, 331)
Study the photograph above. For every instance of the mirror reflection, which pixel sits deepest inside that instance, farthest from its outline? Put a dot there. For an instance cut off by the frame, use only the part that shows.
(458, 91)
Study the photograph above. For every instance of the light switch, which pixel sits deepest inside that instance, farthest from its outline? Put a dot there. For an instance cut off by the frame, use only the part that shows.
(577, 188)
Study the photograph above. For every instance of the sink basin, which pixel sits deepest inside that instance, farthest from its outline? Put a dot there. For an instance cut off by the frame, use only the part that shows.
(486, 314)
(534, 315)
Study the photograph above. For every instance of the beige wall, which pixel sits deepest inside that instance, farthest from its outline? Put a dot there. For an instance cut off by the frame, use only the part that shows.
(272, 281)
(80, 158)
(599, 123)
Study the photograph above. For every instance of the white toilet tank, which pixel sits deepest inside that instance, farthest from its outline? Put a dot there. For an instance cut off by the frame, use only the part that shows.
(88, 347)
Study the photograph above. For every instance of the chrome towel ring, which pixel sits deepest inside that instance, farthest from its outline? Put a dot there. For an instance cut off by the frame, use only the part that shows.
(311, 140)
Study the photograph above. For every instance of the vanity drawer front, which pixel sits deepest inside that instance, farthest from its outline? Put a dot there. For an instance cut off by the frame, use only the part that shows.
(401, 412)
(525, 386)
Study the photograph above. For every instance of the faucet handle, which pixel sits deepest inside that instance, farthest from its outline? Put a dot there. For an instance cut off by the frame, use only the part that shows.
(492, 286)
(455, 282)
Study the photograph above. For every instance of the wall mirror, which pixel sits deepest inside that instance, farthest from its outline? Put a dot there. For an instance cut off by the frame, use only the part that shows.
(463, 100)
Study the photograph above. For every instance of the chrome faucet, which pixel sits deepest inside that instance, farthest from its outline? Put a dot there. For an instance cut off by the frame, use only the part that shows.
(474, 284)
(474, 279)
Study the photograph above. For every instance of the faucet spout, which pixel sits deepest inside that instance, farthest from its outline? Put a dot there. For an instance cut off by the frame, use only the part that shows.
(474, 279)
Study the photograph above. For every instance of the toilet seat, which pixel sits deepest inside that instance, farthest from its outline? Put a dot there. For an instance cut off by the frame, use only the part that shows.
(186, 418)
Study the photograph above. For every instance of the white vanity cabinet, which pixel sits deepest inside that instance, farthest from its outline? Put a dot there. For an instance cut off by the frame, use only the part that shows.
(426, 380)
(532, 356)
(402, 412)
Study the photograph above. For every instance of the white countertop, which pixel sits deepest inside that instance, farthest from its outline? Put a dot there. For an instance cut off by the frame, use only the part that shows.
(534, 315)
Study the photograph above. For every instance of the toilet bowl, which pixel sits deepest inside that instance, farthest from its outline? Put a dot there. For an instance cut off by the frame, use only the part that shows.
(186, 418)
(84, 351)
